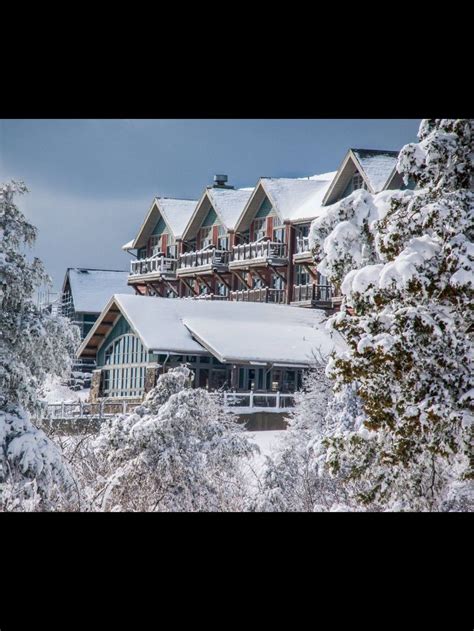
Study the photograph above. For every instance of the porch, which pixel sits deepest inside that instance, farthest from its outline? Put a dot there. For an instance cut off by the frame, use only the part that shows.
(258, 253)
(154, 267)
(206, 261)
(303, 252)
(313, 295)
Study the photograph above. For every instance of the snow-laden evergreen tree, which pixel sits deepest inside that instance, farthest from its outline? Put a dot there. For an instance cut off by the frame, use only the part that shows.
(404, 262)
(33, 343)
(182, 453)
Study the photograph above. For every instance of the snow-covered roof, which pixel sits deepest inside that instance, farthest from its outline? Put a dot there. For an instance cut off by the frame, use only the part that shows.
(176, 213)
(377, 164)
(128, 245)
(297, 198)
(231, 331)
(92, 288)
(229, 203)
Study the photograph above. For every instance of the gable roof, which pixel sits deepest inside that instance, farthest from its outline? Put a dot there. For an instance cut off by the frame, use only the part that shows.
(231, 331)
(292, 198)
(175, 213)
(92, 288)
(227, 203)
(376, 166)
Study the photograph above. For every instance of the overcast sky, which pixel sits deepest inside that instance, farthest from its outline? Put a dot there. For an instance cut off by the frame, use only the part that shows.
(92, 181)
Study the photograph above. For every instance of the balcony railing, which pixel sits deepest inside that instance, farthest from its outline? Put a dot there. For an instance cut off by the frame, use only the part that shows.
(302, 245)
(259, 250)
(264, 294)
(312, 292)
(204, 258)
(107, 409)
(153, 265)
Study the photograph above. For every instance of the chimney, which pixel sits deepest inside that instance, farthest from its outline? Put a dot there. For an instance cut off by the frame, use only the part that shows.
(220, 181)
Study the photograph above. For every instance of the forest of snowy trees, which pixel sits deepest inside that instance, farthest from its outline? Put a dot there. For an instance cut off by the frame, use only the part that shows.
(386, 425)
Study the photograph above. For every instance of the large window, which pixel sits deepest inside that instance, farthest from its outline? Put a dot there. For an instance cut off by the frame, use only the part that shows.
(222, 239)
(205, 235)
(259, 228)
(125, 365)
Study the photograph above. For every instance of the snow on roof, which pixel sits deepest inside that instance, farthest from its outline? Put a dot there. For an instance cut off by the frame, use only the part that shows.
(377, 164)
(92, 288)
(176, 212)
(229, 203)
(128, 245)
(232, 331)
(297, 198)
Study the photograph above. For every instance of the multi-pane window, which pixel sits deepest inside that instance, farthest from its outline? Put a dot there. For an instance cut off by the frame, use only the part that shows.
(205, 236)
(125, 366)
(222, 289)
(222, 239)
(358, 182)
(259, 228)
(302, 275)
(279, 234)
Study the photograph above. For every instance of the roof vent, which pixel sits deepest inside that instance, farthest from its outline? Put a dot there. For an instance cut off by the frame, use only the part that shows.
(220, 181)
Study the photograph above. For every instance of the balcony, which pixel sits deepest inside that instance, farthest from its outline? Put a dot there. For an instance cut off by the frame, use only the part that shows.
(264, 294)
(303, 252)
(258, 253)
(313, 295)
(204, 261)
(158, 266)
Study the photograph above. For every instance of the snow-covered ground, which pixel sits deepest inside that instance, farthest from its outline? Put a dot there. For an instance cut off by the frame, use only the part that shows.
(54, 392)
(267, 442)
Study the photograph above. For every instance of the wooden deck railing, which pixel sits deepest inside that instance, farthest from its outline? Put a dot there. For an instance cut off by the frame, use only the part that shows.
(313, 292)
(107, 409)
(264, 294)
(153, 265)
(200, 258)
(259, 250)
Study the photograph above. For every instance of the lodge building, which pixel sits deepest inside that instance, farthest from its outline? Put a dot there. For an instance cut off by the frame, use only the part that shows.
(250, 245)
(215, 283)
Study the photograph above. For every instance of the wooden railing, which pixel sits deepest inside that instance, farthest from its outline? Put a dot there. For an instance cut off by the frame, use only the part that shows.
(107, 409)
(153, 265)
(264, 294)
(302, 245)
(313, 292)
(258, 250)
(210, 257)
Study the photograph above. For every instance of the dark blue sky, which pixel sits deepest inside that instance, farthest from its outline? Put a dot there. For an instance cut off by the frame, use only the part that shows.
(92, 181)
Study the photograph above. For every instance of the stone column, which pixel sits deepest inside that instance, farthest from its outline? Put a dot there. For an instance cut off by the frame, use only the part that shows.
(95, 386)
(151, 376)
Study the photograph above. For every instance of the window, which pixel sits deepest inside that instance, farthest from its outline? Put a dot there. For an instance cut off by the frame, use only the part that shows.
(222, 289)
(303, 230)
(125, 366)
(259, 228)
(171, 248)
(277, 282)
(302, 276)
(358, 182)
(222, 239)
(154, 245)
(205, 235)
(279, 234)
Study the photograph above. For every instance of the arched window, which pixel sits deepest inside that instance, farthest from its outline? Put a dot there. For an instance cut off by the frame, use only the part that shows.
(125, 365)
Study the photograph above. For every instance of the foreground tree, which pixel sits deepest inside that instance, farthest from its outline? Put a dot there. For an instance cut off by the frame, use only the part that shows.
(32, 344)
(404, 262)
(179, 451)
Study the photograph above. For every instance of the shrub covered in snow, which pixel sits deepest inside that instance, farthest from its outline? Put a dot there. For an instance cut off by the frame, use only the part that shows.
(404, 261)
(32, 344)
(179, 451)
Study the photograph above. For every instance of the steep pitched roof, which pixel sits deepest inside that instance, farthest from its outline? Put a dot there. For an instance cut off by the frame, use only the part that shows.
(378, 165)
(92, 288)
(227, 203)
(231, 331)
(175, 213)
(292, 198)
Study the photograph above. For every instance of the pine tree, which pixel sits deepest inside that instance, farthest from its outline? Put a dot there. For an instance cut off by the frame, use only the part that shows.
(32, 344)
(407, 275)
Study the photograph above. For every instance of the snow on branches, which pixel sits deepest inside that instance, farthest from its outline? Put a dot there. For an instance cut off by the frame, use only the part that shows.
(404, 262)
